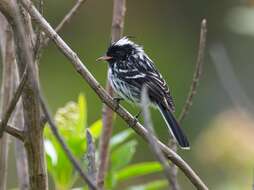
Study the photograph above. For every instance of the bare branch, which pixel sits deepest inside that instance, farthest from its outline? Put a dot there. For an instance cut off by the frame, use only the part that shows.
(91, 156)
(67, 18)
(151, 134)
(9, 61)
(197, 73)
(6, 93)
(123, 113)
(20, 151)
(13, 103)
(188, 103)
(108, 114)
(15, 132)
(68, 153)
(23, 34)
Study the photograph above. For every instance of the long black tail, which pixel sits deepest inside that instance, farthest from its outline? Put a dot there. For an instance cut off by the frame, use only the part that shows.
(174, 127)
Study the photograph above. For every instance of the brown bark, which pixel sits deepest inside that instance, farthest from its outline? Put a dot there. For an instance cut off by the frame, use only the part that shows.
(7, 89)
(33, 132)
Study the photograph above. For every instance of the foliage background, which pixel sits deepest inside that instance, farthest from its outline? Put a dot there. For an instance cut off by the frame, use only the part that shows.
(169, 32)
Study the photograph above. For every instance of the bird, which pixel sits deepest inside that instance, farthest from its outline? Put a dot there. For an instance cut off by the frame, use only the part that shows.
(130, 69)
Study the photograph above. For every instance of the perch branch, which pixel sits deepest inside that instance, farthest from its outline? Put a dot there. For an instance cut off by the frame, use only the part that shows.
(107, 113)
(153, 143)
(98, 89)
(68, 153)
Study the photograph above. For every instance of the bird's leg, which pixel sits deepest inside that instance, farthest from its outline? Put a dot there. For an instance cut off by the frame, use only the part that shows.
(135, 121)
(137, 115)
(117, 100)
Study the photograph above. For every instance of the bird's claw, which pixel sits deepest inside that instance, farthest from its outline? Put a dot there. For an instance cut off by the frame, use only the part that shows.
(135, 121)
(137, 115)
(117, 101)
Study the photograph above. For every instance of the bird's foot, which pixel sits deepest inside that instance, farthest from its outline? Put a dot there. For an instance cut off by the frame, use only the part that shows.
(117, 101)
(137, 115)
(135, 121)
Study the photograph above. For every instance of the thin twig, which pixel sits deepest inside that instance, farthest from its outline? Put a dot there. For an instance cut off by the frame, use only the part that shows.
(98, 89)
(20, 151)
(13, 131)
(197, 73)
(119, 10)
(68, 153)
(188, 103)
(39, 33)
(90, 155)
(67, 18)
(153, 143)
(13, 103)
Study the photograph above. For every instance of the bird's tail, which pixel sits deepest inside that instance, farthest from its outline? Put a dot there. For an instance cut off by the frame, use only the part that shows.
(174, 127)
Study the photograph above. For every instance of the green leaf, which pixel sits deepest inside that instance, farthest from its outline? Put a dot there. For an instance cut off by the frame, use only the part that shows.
(96, 128)
(136, 170)
(122, 155)
(119, 138)
(155, 185)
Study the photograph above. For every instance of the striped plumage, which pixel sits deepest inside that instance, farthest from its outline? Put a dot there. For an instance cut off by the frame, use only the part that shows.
(129, 70)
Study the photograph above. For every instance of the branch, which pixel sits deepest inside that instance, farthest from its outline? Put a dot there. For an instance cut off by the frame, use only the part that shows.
(108, 115)
(188, 103)
(67, 18)
(197, 73)
(23, 34)
(151, 134)
(123, 113)
(6, 93)
(13, 103)
(68, 153)
(91, 156)
(15, 132)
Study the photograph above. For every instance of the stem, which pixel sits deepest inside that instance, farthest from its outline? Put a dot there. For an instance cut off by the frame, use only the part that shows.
(108, 115)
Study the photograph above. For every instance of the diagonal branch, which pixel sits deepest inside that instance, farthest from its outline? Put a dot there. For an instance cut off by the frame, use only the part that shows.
(64, 146)
(67, 18)
(13, 103)
(98, 89)
(13, 131)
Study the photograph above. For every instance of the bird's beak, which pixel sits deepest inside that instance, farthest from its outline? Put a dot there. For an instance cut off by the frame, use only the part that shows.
(104, 58)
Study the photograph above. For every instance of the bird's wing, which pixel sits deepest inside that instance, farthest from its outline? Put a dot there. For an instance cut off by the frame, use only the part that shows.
(143, 72)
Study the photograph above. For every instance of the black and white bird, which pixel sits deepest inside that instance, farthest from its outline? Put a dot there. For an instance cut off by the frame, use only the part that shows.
(130, 69)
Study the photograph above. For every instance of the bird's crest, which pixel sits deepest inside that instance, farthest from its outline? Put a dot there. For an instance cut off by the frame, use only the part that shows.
(126, 41)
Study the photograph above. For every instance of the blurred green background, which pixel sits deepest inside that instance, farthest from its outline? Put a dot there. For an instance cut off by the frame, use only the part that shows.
(221, 138)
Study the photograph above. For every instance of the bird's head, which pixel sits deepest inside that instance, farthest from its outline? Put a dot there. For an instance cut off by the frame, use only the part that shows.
(121, 50)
